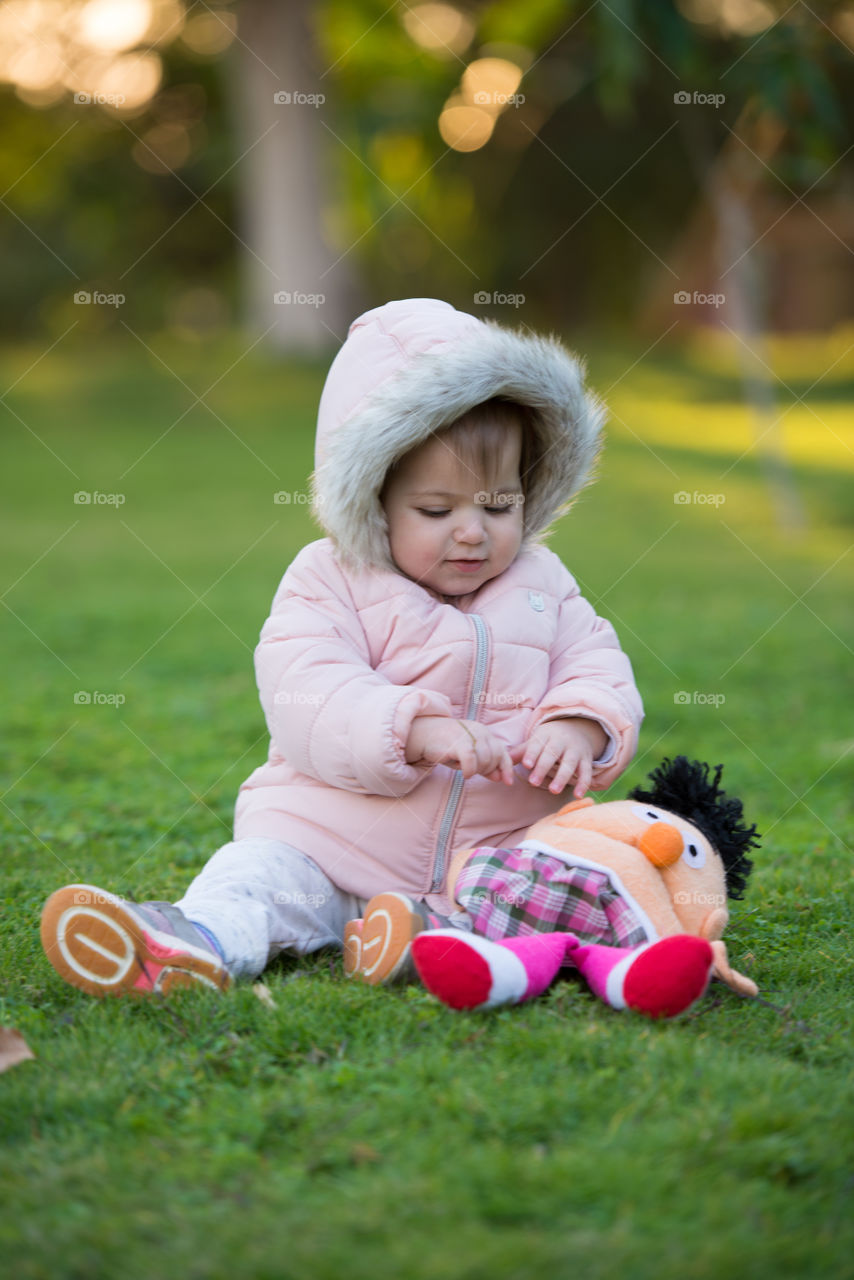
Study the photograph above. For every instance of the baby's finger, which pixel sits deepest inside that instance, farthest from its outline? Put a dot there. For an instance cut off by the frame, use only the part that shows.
(497, 775)
(532, 749)
(498, 766)
(544, 762)
(564, 773)
(464, 758)
(506, 769)
(585, 777)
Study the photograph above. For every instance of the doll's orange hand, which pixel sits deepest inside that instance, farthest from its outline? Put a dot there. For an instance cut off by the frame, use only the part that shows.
(562, 750)
(735, 981)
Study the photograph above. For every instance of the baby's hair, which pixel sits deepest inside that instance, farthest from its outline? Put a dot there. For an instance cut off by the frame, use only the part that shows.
(683, 786)
(478, 437)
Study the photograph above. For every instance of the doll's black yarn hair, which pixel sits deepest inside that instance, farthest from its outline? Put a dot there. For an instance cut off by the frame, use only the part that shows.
(683, 786)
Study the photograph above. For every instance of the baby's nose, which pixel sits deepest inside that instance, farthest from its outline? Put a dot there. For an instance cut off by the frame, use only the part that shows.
(471, 528)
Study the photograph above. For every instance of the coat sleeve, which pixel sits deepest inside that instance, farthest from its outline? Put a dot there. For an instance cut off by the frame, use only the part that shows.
(330, 715)
(591, 676)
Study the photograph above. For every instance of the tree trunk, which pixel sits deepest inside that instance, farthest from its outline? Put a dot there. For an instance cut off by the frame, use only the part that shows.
(293, 290)
(731, 188)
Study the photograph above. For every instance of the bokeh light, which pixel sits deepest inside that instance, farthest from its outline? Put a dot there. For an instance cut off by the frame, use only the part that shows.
(465, 127)
(114, 27)
(468, 118)
(209, 34)
(736, 17)
(440, 28)
(98, 50)
(495, 78)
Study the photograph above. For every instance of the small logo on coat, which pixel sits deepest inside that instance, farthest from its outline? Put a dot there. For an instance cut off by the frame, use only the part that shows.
(536, 601)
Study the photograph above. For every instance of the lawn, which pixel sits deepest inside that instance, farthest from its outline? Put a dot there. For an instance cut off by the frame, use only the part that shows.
(348, 1131)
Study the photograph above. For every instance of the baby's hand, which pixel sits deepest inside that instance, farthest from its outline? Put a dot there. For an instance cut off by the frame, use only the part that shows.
(461, 744)
(563, 750)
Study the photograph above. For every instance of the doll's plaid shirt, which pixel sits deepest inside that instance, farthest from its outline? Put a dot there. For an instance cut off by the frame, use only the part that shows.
(518, 891)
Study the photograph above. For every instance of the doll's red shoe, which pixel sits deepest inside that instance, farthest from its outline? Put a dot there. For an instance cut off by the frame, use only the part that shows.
(468, 972)
(662, 979)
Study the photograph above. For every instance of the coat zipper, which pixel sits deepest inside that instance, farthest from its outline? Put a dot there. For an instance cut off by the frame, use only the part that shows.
(449, 816)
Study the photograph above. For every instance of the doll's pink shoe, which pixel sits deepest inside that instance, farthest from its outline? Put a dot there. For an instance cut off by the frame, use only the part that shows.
(107, 946)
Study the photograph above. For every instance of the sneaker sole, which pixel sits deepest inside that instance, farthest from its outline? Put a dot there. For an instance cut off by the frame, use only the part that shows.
(378, 952)
(352, 944)
(97, 944)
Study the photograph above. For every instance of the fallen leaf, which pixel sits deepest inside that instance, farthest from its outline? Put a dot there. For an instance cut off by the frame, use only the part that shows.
(262, 991)
(13, 1048)
(364, 1153)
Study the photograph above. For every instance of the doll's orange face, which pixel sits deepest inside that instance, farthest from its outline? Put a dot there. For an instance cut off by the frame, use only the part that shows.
(689, 866)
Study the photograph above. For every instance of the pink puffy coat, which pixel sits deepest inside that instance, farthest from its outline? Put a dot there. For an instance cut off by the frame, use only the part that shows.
(353, 650)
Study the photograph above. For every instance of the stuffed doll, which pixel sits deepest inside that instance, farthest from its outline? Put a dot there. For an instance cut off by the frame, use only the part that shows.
(631, 893)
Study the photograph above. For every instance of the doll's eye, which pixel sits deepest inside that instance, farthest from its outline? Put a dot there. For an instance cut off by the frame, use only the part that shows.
(649, 815)
(693, 855)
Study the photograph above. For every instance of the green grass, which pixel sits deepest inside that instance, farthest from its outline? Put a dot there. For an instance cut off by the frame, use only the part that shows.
(366, 1132)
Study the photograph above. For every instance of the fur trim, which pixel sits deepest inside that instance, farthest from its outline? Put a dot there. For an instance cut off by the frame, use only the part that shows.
(431, 391)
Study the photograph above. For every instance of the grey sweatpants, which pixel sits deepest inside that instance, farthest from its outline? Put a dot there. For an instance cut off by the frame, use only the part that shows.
(259, 897)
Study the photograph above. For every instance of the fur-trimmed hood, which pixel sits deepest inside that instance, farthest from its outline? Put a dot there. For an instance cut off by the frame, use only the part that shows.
(410, 368)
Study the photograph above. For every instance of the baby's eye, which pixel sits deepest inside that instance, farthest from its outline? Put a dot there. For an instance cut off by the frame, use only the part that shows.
(498, 511)
(434, 515)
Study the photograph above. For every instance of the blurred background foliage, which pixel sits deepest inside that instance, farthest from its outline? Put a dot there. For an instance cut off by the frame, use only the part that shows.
(537, 151)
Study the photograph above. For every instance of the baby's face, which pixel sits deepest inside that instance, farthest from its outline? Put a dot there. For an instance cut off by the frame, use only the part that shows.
(448, 528)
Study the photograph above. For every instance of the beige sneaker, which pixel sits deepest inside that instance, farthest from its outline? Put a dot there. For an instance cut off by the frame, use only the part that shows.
(376, 948)
(107, 946)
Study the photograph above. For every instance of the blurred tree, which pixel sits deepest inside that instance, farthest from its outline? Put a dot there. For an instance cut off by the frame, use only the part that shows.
(543, 151)
(293, 289)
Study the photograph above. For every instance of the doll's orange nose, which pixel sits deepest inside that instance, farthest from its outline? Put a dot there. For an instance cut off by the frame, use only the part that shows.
(661, 843)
